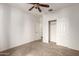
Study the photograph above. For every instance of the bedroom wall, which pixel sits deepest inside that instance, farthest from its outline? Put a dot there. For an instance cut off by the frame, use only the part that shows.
(67, 32)
(4, 26)
(67, 27)
(17, 27)
(46, 18)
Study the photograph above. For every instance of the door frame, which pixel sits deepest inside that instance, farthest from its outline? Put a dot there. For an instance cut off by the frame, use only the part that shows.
(49, 28)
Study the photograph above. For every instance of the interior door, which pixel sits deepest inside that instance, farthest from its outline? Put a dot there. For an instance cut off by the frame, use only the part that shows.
(52, 31)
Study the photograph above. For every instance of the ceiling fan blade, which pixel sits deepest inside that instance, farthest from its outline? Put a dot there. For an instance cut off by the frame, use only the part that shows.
(39, 9)
(31, 8)
(32, 3)
(44, 5)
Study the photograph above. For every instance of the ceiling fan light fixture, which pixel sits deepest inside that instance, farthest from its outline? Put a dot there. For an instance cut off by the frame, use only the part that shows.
(37, 6)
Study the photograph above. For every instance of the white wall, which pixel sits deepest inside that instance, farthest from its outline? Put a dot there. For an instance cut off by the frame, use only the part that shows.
(4, 26)
(67, 27)
(38, 26)
(16, 27)
(46, 18)
(1, 27)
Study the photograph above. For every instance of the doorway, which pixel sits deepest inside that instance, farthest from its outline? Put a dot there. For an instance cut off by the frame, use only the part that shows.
(52, 31)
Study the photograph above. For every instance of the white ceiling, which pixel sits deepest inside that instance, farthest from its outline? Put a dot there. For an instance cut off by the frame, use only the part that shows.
(54, 6)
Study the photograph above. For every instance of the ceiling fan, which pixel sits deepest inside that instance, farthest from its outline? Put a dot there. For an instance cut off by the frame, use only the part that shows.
(37, 6)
